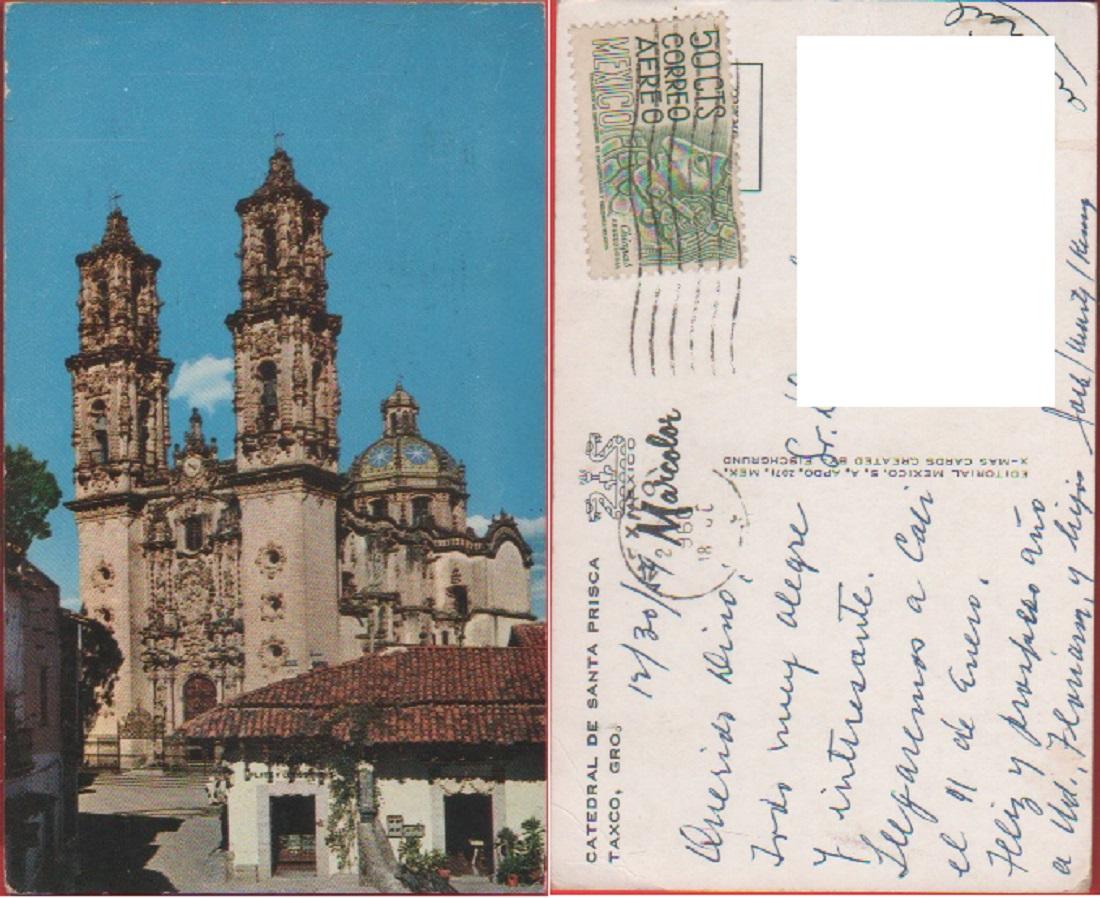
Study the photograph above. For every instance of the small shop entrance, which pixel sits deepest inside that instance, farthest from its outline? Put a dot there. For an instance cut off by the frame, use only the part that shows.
(293, 834)
(468, 831)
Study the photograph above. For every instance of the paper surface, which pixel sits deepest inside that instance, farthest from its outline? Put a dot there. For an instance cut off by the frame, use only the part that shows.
(810, 648)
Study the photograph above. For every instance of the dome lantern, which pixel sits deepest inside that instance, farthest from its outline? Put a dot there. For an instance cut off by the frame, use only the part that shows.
(399, 411)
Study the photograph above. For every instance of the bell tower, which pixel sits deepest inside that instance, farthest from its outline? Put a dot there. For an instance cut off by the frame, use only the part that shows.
(120, 441)
(120, 382)
(284, 341)
(286, 400)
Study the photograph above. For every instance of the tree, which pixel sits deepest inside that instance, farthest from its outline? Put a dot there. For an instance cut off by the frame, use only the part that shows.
(100, 661)
(30, 494)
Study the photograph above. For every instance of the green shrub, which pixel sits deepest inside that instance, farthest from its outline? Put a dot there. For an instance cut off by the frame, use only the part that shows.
(521, 855)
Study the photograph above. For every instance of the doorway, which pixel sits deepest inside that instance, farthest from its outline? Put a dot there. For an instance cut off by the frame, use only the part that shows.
(199, 694)
(468, 825)
(293, 834)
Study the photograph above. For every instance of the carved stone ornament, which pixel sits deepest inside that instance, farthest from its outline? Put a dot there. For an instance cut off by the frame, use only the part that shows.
(269, 454)
(273, 653)
(265, 341)
(299, 380)
(271, 559)
(272, 606)
(138, 724)
(95, 384)
(103, 575)
(477, 786)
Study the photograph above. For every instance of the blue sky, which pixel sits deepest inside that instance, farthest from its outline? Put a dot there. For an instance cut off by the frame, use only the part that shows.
(421, 126)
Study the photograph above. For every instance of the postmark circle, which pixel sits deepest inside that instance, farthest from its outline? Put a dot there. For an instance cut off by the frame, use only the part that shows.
(689, 548)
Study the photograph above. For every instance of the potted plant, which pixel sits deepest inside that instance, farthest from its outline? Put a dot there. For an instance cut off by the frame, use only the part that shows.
(437, 861)
(521, 856)
(532, 845)
(509, 870)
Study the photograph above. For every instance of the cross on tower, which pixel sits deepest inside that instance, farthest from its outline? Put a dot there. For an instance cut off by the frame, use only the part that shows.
(279, 135)
(113, 199)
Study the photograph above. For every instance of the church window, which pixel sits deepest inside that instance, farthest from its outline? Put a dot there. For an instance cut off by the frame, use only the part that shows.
(421, 513)
(393, 422)
(446, 638)
(100, 443)
(461, 598)
(192, 530)
(269, 394)
(378, 508)
(271, 247)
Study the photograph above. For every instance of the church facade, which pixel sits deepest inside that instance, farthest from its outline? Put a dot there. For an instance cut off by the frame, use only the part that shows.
(221, 575)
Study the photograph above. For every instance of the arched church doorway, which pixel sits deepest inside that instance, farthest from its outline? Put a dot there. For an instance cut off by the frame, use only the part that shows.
(199, 694)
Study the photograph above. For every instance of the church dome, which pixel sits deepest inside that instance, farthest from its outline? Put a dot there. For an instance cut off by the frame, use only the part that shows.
(402, 458)
(402, 454)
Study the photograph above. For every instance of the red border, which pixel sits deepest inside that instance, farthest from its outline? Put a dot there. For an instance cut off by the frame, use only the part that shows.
(550, 7)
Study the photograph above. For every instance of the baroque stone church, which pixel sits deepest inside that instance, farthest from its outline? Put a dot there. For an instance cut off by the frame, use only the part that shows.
(220, 575)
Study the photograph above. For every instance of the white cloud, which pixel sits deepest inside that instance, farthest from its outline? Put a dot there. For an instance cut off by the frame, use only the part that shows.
(531, 528)
(205, 383)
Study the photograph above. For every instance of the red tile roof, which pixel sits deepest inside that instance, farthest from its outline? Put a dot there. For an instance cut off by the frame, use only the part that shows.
(529, 636)
(427, 694)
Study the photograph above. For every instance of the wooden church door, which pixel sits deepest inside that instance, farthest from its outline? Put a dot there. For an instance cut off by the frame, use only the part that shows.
(199, 694)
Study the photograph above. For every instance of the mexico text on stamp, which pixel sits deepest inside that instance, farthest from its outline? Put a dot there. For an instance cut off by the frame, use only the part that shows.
(658, 156)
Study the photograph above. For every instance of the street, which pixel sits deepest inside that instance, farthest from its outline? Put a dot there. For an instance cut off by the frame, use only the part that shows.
(148, 831)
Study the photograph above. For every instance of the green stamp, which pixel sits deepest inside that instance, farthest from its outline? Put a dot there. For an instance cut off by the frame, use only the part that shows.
(657, 145)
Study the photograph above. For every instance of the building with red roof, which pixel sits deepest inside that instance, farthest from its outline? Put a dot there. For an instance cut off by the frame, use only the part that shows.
(446, 744)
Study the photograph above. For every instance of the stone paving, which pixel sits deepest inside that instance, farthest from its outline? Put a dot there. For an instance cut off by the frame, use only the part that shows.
(147, 832)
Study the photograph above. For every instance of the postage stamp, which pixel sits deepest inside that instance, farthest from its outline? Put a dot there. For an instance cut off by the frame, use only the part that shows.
(657, 145)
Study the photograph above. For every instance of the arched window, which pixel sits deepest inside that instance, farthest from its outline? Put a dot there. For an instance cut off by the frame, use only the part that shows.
(192, 532)
(100, 442)
(271, 246)
(269, 394)
(422, 515)
(460, 600)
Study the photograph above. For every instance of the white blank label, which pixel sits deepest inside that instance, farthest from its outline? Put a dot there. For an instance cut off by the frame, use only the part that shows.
(925, 221)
